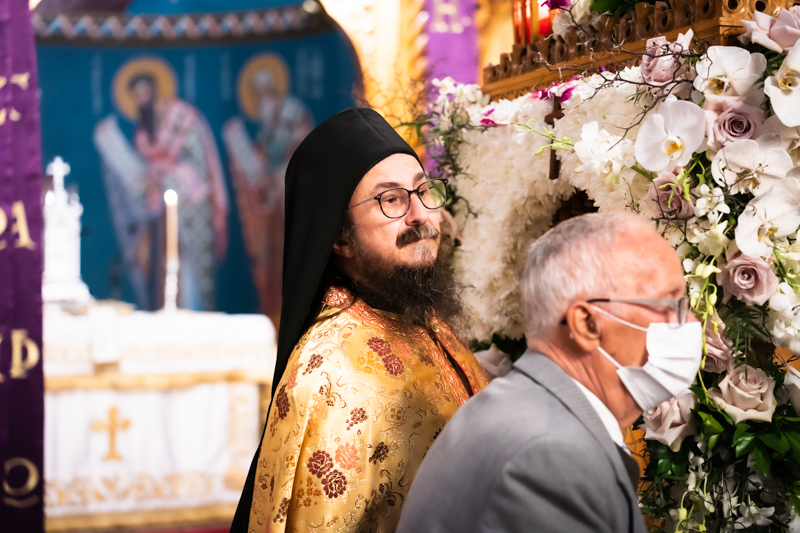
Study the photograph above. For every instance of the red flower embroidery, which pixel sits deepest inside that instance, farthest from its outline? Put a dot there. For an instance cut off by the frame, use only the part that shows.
(347, 456)
(379, 346)
(334, 484)
(313, 363)
(282, 510)
(393, 364)
(282, 403)
(319, 463)
(380, 454)
(357, 416)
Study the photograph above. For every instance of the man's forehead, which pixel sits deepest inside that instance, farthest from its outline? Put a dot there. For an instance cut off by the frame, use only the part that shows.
(397, 168)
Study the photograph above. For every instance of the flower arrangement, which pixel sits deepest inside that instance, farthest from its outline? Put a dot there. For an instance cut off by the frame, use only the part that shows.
(707, 147)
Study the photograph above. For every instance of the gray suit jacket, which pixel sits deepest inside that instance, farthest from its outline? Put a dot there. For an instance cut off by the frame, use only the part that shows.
(528, 453)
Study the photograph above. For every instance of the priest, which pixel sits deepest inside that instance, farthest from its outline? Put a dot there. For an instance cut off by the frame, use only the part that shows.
(370, 366)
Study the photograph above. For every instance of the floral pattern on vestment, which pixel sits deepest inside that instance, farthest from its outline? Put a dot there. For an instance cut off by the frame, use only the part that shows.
(364, 395)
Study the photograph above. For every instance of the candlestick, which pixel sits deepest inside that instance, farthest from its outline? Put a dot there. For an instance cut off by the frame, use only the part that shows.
(519, 21)
(171, 285)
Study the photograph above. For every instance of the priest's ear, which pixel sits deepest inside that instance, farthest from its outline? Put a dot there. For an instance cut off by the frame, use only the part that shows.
(344, 245)
(583, 328)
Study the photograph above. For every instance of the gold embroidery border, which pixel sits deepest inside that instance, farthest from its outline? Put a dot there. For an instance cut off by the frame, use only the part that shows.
(205, 513)
(150, 381)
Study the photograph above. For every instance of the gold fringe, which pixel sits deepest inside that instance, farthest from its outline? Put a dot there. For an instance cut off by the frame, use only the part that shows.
(206, 513)
(150, 381)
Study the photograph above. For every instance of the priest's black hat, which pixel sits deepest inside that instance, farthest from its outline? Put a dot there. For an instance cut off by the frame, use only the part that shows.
(323, 173)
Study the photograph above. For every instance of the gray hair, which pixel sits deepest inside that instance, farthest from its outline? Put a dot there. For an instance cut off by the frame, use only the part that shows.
(572, 261)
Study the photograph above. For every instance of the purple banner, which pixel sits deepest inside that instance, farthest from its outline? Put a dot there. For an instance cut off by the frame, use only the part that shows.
(21, 224)
(452, 39)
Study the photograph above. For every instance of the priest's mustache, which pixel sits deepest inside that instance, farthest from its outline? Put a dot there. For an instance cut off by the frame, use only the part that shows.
(416, 233)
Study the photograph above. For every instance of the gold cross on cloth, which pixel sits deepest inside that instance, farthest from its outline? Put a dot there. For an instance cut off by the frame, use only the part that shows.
(112, 426)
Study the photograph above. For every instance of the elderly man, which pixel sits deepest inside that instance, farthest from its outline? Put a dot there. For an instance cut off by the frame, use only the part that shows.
(371, 368)
(609, 335)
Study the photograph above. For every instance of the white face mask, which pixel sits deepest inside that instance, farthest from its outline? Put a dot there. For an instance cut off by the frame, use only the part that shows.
(674, 357)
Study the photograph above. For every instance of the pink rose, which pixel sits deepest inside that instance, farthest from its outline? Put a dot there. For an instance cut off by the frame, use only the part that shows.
(746, 393)
(729, 118)
(779, 35)
(786, 30)
(671, 422)
(664, 66)
(758, 31)
(667, 201)
(750, 279)
(719, 355)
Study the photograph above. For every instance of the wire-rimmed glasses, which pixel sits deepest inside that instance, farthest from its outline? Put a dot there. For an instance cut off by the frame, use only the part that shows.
(679, 305)
(395, 203)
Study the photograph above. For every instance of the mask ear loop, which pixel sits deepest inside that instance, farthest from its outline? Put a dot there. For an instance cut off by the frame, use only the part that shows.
(609, 315)
(605, 353)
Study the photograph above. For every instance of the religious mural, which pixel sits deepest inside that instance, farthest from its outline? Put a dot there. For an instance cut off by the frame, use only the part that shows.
(279, 121)
(216, 120)
(172, 148)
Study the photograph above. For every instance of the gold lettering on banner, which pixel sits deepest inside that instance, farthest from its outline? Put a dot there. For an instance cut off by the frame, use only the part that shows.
(21, 80)
(14, 115)
(446, 8)
(3, 226)
(20, 227)
(16, 496)
(3, 81)
(114, 424)
(19, 364)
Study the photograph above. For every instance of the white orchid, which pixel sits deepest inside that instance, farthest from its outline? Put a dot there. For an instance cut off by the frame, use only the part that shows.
(670, 137)
(710, 202)
(782, 89)
(770, 216)
(711, 241)
(751, 166)
(753, 515)
(790, 136)
(731, 71)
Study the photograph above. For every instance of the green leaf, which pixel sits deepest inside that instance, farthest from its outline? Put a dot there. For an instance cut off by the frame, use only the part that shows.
(711, 425)
(781, 445)
(712, 442)
(664, 466)
(796, 503)
(745, 444)
(762, 459)
(795, 446)
(604, 6)
(740, 430)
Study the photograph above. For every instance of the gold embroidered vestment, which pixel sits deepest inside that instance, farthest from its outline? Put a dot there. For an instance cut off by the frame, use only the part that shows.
(364, 395)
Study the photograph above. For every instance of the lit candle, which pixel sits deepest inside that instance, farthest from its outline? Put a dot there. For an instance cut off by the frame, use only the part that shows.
(519, 21)
(171, 285)
(171, 199)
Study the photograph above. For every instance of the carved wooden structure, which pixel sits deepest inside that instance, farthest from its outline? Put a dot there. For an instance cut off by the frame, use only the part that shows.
(615, 40)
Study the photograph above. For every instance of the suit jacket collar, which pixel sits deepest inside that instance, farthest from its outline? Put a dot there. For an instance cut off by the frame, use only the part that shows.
(549, 375)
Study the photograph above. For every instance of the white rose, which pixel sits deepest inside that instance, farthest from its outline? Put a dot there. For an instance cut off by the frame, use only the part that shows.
(746, 393)
(671, 422)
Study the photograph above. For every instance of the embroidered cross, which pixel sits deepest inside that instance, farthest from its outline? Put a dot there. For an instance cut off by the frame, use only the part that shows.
(114, 424)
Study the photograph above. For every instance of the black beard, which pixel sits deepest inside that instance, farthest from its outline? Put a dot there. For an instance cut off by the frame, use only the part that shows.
(413, 291)
(147, 120)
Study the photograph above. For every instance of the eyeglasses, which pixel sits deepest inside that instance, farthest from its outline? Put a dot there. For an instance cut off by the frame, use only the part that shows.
(395, 203)
(679, 305)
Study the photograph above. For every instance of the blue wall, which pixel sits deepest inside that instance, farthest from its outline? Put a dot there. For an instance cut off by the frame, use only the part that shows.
(76, 93)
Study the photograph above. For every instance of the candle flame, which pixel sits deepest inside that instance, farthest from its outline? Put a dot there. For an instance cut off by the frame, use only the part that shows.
(171, 197)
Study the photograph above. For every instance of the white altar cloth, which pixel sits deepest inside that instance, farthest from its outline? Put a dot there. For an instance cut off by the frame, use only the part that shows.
(151, 418)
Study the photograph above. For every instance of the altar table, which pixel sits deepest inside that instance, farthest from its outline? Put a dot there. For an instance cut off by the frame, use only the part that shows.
(151, 418)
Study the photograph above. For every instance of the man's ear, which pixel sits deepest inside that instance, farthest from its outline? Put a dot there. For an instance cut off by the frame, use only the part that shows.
(343, 248)
(584, 330)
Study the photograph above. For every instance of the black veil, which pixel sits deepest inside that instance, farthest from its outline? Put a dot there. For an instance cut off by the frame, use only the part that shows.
(323, 173)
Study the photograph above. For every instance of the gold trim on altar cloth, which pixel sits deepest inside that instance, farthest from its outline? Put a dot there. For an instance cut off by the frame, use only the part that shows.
(150, 381)
(206, 513)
